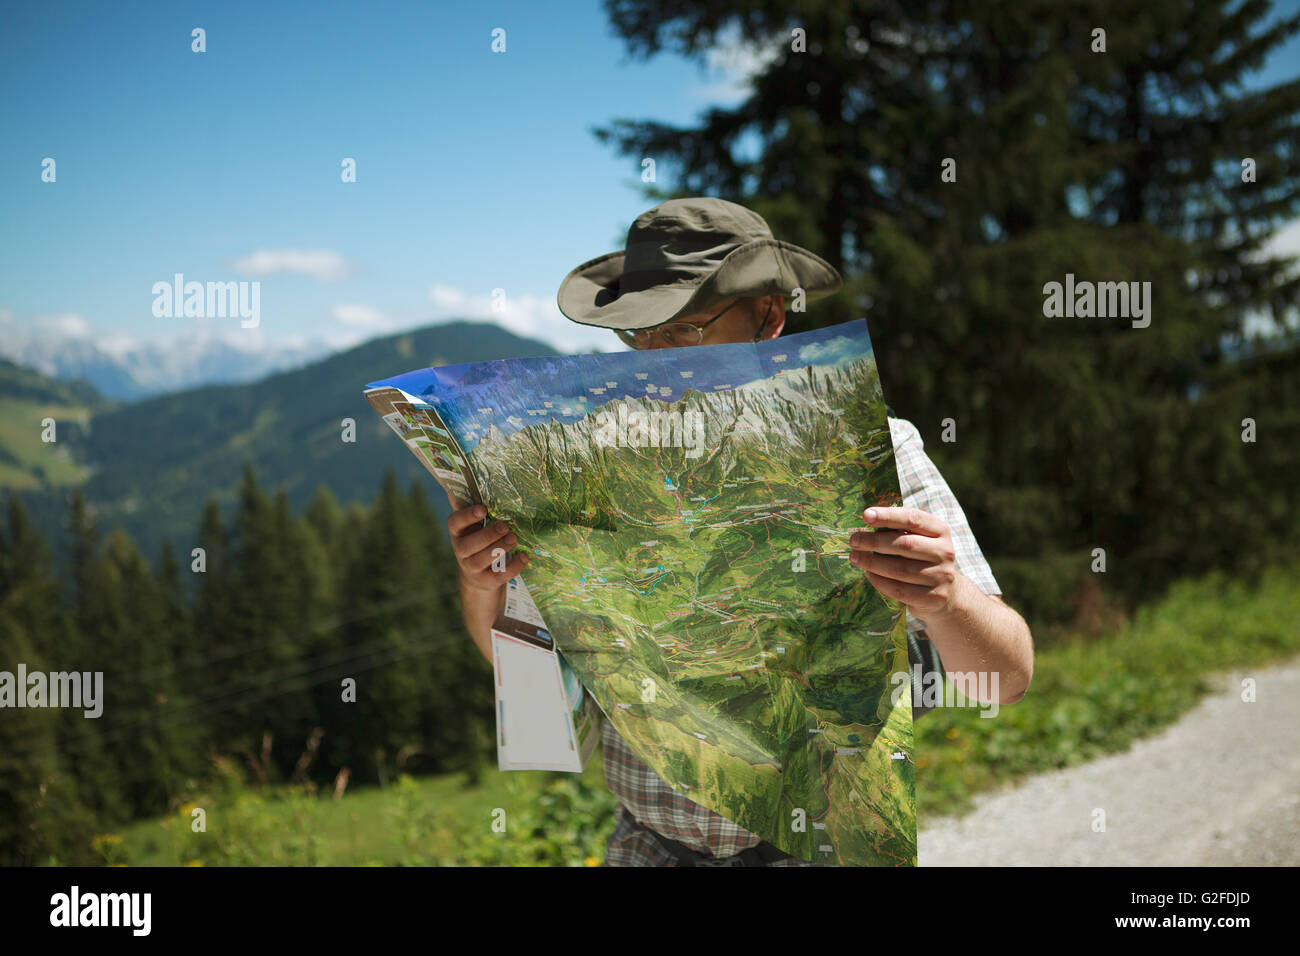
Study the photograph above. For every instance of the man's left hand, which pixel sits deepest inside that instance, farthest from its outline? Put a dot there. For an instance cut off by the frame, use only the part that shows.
(910, 558)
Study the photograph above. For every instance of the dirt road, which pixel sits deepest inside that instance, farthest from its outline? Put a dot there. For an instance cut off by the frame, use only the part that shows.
(1220, 787)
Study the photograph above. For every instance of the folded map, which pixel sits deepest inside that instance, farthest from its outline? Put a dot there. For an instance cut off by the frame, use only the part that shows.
(687, 513)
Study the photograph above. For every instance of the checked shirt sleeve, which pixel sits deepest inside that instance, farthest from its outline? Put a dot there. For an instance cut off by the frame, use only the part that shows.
(924, 488)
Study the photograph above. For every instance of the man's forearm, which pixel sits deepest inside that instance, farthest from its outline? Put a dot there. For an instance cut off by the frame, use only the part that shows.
(981, 634)
(480, 608)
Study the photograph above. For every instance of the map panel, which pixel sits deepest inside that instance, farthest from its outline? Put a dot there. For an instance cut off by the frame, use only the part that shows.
(688, 513)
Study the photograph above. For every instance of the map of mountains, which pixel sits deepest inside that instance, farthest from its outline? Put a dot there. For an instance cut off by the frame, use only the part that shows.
(706, 599)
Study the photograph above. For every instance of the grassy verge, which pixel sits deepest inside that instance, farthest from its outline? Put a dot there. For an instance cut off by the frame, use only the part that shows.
(1096, 696)
(1089, 697)
(532, 818)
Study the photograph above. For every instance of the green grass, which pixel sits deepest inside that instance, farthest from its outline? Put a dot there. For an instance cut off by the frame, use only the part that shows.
(549, 819)
(1095, 696)
(1088, 697)
(26, 458)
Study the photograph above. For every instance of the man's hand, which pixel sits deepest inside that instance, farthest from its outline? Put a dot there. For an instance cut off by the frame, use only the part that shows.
(476, 547)
(915, 564)
(482, 590)
(911, 558)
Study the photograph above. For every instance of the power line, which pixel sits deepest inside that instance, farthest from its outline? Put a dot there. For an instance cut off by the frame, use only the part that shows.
(332, 622)
(346, 665)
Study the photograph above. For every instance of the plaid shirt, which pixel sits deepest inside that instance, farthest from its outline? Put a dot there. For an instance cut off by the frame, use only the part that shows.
(645, 800)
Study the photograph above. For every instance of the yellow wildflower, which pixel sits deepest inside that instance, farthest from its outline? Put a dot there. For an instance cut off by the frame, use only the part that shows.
(102, 840)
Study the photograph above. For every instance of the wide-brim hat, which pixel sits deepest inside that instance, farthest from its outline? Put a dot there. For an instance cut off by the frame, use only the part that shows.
(683, 256)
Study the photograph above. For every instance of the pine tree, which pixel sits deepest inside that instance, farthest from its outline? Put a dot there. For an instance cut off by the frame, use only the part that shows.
(187, 754)
(81, 649)
(459, 715)
(953, 158)
(256, 648)
(149, 738)
(325, 517)
(390, 631)
(41, 814)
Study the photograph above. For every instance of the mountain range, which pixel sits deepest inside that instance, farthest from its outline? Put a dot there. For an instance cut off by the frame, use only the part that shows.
(138, 371)
(775, 426)
(148, 466)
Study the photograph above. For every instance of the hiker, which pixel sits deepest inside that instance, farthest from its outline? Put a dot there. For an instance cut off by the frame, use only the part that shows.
(706, 271)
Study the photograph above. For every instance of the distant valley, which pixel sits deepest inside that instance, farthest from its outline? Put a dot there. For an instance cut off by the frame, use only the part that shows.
(148, 466)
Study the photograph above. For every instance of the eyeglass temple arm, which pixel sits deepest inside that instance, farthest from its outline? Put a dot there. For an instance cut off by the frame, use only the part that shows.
(758, 336)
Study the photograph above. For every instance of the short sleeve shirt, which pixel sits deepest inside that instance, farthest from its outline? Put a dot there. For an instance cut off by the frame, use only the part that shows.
(646, 801)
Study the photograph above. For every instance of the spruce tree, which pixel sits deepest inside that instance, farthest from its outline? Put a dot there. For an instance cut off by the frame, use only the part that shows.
(952, 159)
(41, 815)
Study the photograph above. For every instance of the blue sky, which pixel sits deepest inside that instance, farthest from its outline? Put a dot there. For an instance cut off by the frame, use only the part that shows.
(475, 170)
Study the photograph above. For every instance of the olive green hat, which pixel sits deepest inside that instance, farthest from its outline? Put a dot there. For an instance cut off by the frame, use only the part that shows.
(684, 256)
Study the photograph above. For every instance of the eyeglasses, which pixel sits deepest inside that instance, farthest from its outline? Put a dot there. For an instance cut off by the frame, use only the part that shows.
(675, 334)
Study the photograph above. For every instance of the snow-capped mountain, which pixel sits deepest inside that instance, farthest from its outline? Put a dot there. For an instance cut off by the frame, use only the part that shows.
(188, 362)
(125, 372)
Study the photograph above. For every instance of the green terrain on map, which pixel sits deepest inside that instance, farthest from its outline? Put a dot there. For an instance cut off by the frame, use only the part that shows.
(706, 599)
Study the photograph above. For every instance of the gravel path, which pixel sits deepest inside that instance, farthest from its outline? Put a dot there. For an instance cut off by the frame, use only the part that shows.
(1220, 787)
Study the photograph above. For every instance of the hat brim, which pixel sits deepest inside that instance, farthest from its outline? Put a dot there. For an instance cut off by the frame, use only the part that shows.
(589, 293)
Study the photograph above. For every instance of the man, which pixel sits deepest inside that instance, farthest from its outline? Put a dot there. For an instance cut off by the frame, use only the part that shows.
(703, 272)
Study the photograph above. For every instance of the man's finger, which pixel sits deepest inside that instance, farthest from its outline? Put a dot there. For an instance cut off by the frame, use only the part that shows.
(863, 540)
(896, 569)
(916, 546)
(469, 548)
(478, 558)
(483, 565)
(516, 566)
(905, 519)
(906, 593)
(462, 518)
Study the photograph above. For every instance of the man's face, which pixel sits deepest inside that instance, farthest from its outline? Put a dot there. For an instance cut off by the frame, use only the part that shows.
(739, 323)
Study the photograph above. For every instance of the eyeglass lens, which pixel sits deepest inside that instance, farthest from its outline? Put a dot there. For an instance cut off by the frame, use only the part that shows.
(676, 334)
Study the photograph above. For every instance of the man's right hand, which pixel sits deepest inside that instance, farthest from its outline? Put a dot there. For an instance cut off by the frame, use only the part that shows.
(476, 547)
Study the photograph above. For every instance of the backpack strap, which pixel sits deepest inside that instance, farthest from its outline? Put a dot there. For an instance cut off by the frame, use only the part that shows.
(923, 660)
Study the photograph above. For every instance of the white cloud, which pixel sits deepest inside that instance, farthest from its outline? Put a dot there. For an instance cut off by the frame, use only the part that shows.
(355, 315)
(445, 297)
(828, 352)
(198, 333)
(533, 316)
(118, 344)
(322, 264)
(68, 324)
